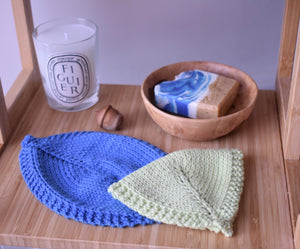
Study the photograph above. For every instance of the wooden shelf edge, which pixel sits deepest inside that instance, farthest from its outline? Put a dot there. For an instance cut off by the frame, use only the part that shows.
(26, 241)
(293, 179)
(297, 233)
(283, 85)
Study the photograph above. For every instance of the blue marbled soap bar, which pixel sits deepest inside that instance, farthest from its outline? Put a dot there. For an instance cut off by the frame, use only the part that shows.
(182, 95)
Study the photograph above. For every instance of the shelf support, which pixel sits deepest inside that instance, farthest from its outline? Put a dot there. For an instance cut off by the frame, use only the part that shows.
(18, 97)
(297, 234)
(287, 81)
(4, 120)
(291, 142)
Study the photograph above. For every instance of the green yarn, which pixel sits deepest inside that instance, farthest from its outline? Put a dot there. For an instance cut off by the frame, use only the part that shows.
(191, 188)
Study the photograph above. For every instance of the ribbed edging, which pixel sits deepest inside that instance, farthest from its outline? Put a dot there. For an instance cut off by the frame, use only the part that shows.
(109, 213)
(218, 221)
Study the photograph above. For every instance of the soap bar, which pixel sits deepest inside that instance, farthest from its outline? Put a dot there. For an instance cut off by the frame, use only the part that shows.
(196, 94)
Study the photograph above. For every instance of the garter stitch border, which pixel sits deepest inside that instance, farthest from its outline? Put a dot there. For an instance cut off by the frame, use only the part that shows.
(192, 188)
(70, 174)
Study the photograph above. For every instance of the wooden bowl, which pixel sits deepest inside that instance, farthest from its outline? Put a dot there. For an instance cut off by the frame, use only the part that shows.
(200, 129)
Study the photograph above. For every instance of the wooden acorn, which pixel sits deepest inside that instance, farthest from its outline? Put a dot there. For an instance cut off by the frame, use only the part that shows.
(109, 118)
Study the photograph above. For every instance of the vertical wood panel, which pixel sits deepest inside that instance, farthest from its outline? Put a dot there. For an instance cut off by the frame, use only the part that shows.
(4, 121)
(291, 142)
(297, 234)
(286, 58)
(20, 94)
(288, 38)
(24, 28)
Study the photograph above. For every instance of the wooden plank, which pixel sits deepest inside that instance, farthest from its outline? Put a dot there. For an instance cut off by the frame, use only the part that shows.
(263, 220)
(297, 233)
(291, 142)
(286, 58)
(28, 81)
(4, 121)
(293, 180)
(24, 28)
(283, 85)
(288, 38)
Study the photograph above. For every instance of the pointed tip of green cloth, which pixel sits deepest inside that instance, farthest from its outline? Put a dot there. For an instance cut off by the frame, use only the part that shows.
(192, 188)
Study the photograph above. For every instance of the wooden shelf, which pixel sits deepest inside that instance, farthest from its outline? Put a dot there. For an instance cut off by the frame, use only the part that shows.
(293, 180)
(263, 220)
(269, 210)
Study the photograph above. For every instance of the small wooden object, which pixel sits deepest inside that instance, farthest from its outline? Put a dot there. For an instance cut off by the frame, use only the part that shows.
(109, 118)
(201, 129)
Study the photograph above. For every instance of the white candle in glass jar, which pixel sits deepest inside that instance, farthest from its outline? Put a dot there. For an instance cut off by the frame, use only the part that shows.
(67, 53)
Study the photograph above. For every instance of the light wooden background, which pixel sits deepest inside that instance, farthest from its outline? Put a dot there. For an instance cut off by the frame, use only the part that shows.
(13, 247)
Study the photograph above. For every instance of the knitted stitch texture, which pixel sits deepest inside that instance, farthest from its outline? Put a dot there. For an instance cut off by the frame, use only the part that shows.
(190, 188)
(70, 174)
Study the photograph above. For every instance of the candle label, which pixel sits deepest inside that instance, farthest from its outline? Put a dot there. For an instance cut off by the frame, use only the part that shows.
(69, 77)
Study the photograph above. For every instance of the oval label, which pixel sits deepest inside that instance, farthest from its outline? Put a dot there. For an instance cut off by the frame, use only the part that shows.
(69, 77)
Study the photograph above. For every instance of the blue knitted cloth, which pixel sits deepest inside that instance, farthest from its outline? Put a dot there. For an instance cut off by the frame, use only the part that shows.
(70, 174)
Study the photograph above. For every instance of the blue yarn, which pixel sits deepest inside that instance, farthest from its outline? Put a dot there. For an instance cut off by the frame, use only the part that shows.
(70, 174)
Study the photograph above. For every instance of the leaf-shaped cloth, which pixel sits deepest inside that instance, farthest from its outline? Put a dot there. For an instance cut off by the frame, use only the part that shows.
(192, 188)
(70, 173)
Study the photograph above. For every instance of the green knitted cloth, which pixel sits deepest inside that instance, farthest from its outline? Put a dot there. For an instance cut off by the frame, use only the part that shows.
(192, 188)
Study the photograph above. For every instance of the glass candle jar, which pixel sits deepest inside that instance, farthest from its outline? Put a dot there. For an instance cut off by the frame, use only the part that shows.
(67, 54)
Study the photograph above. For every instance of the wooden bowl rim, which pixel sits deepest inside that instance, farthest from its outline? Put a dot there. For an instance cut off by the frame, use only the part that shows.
(195, 120)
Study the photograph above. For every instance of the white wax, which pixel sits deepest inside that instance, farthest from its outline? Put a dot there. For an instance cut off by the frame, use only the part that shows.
(65, 34)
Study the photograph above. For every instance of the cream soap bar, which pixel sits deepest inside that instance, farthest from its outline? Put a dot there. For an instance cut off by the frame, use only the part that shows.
(196, 94)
